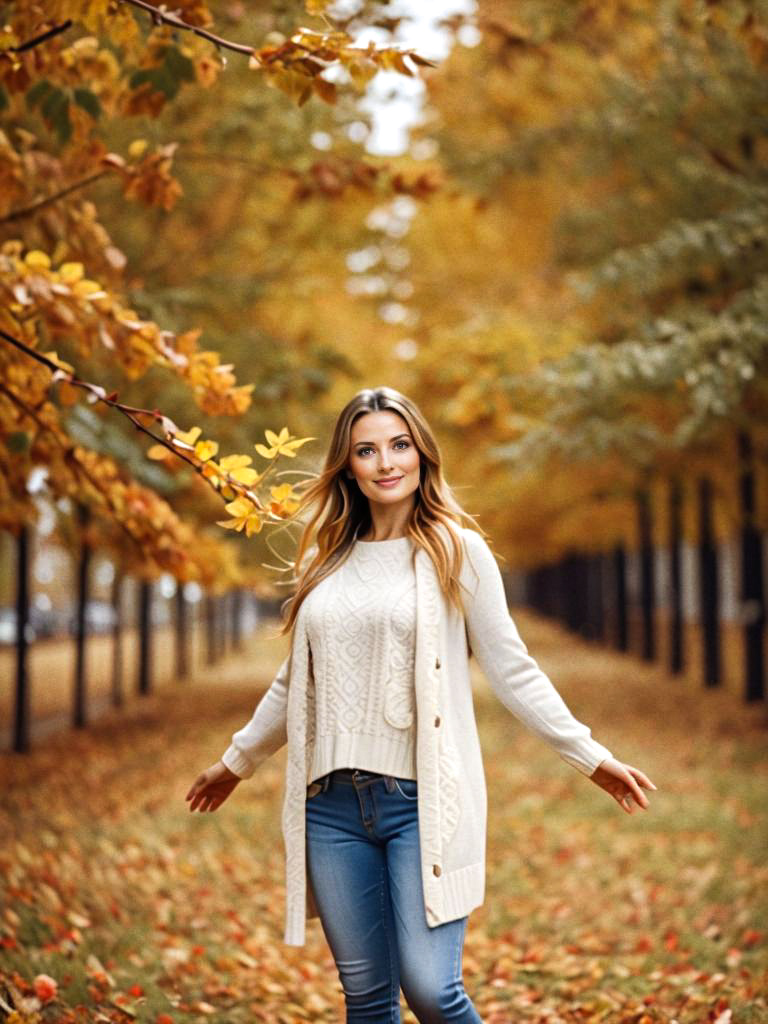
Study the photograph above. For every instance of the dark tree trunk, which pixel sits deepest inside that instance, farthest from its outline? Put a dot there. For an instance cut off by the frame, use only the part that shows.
(709, 589)
(145, 637)
(752, 582)
(676, 649)
(21, 742)
(182, 632)
(80, 711)
(621, 637)
(647, 595)
(118, 698)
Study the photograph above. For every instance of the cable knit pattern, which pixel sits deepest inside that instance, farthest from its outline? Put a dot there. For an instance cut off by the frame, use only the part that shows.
(361, 624)
(381, 687)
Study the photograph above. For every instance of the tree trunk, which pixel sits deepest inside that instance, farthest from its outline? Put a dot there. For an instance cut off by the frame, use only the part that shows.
(21, 742)
(80, 711)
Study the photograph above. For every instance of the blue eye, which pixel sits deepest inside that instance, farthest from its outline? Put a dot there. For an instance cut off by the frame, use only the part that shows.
(368, 448)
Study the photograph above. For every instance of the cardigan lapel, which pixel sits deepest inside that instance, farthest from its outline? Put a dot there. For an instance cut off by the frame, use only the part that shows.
(427, 685)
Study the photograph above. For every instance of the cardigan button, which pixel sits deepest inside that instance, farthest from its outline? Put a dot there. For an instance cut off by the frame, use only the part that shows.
(437, 663)
(436, 870)
(437, 720)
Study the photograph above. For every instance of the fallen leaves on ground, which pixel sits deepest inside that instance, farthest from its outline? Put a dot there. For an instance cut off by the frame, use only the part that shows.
(119, 905)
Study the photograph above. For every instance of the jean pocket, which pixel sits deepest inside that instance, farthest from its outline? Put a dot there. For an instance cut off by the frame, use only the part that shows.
(408, 788)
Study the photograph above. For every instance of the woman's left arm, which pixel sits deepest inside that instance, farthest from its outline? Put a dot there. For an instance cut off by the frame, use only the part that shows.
(522, 687)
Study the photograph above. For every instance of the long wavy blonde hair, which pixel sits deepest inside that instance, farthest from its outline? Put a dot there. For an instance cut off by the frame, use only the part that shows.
(343, 511)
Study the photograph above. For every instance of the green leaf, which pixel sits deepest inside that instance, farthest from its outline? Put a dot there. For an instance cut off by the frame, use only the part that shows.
(38, 91)
(165, 81)
(140, 77)
(180, 67)
(88, 101)
(17, 442)
(160, 79)
(54, 100)
(55, 110)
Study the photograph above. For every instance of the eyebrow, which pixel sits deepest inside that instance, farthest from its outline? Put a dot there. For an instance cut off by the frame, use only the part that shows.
(391, 439)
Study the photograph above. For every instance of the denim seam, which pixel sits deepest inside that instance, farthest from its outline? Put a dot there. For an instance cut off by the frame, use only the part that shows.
(405, 796)
(384, 924)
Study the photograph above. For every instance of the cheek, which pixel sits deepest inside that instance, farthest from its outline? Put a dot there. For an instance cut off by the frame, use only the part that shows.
(361, 467)
(411, 463)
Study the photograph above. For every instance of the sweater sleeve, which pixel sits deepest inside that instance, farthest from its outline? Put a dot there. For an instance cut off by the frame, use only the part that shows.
(265, 733)
(515, 677)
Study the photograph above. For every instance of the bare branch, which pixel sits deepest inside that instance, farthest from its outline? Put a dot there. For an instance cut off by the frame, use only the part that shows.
(28, 211)
(43, 37)
(165, 17)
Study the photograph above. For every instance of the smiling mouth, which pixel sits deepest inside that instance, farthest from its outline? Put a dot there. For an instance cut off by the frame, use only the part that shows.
(391, 480)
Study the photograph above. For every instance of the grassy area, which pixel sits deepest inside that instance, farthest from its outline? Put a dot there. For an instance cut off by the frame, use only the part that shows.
(142, 911)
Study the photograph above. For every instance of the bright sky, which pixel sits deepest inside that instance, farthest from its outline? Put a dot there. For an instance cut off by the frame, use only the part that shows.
(393, 100)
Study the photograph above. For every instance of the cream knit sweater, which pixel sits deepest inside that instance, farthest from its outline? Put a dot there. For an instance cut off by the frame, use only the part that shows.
(361, 624)
(452, 791)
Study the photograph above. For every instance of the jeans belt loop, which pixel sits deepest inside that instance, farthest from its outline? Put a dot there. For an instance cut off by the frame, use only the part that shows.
(389, 782)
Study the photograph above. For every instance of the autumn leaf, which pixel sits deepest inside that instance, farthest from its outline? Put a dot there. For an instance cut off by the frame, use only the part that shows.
(280, 444)
(246, 517)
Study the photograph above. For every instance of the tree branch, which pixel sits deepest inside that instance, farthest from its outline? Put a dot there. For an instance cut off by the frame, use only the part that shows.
(165, 17)
(132, 413)
(70, 455)
(28, 211)
(42, 38)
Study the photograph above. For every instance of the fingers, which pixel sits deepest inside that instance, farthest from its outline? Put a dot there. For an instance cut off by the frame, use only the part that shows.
(196, 787)
(631, 777)
(642, 778)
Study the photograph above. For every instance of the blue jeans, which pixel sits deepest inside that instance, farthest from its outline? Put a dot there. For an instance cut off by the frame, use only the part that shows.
(364, 866)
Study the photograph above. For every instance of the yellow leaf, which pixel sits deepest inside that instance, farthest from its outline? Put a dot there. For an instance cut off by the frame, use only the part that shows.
(281, 492)
(253, 525)
(205, 450)
(37, 260)
(239, 507)
(71, 272)
(137, 148)
(86, 289)
(244, 476)
(360, 71)
(189, 437)
(158, 452)
(59, 362)
(267, 453)
(274, 438)
(230, 462)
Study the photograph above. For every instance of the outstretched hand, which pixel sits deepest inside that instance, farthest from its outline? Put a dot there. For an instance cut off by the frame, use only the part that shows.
(623, 782)
(212, 787)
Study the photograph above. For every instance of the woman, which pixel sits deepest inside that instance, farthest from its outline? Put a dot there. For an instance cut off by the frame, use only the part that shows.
(384, 813)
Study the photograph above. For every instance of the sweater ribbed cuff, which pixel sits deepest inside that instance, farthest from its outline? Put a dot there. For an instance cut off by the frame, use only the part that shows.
(588, 757)
(234, 759)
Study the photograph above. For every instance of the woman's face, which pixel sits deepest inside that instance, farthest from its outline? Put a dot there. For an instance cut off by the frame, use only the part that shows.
(382, 448)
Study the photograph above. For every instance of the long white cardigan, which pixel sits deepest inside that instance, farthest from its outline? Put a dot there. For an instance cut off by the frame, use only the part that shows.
(452, 795)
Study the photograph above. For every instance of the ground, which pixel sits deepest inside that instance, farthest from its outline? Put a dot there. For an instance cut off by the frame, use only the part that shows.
(140, 910)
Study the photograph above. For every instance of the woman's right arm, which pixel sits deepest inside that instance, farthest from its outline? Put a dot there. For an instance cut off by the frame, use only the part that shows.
(265, 733)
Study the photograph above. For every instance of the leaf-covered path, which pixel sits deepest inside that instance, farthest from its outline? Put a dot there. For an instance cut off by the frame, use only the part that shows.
(141, 910)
